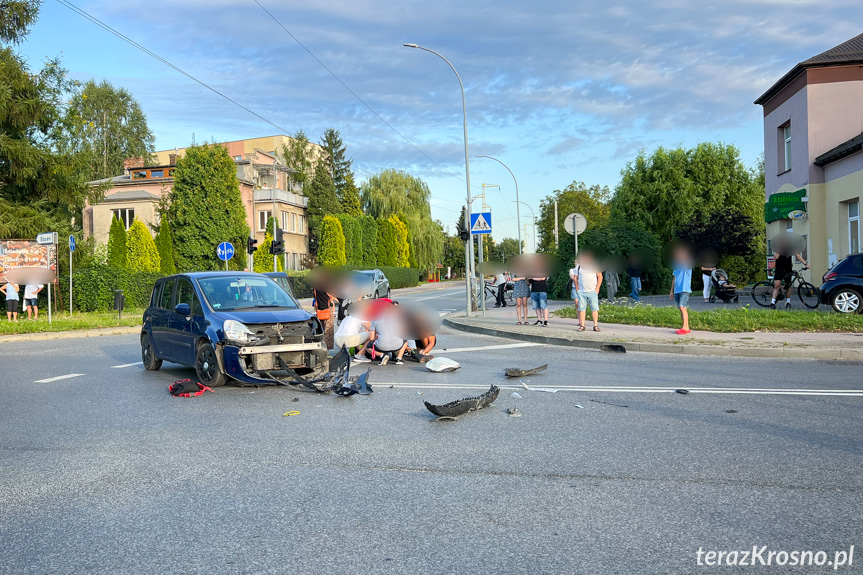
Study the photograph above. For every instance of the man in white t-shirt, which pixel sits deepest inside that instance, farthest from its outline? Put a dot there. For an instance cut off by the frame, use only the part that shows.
(500, 284)
(31, 293)
(352, 331)
(587, 282)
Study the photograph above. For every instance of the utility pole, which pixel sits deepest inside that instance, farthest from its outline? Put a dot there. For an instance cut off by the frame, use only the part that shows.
(556, 237)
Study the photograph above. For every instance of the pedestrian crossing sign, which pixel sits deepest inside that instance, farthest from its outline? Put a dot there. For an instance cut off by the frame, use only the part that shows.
(480, 223)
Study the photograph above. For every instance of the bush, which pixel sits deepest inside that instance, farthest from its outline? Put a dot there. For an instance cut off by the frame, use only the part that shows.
(117, 244)
(387, 254)
(165, 245)
(331, 248)
(141, 255)
(369, 228)
(93, 287)
(300, 284)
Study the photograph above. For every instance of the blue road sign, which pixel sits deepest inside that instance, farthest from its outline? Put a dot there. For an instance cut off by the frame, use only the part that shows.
(480, 223)
(71, 243)
(225, 251)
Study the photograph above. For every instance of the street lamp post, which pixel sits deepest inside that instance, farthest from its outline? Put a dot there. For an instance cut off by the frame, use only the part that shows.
(468, 252)
(533, 215)
(517, 202)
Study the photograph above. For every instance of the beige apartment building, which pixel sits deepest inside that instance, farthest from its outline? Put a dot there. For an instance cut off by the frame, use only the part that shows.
(265, 187)
(813, 154)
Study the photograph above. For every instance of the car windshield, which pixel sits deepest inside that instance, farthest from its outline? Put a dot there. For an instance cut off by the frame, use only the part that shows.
(238, 293)
(370, 275)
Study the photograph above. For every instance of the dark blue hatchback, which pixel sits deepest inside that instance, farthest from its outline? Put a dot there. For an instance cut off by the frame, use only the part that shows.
(236, 325)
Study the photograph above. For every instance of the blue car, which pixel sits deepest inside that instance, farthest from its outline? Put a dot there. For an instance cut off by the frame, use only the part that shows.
(233, 325)
(842, 286)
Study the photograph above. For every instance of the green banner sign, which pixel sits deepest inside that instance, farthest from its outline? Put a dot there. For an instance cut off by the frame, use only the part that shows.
(782, 205)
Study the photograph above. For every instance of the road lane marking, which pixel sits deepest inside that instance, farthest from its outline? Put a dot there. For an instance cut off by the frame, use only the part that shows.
(485, 347)
(646, 389)
(58, 378)
(433, 296)
(125, 365)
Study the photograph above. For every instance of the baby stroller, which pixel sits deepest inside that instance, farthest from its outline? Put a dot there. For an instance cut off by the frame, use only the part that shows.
(722, 288)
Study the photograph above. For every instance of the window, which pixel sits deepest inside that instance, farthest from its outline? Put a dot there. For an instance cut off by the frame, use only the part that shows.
(263, 216)
(167, 294)
(157, 294)
(294, 223)
(805, 252)
(139, 174)
(171, 173)
(789, 225)
(854, 227)
(285, 219)
(186, 294)
(786, 147)
(302, 224)
(157, 173)
(125, 215)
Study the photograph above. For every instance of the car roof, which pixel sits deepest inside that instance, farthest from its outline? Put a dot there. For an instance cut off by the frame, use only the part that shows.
(213, 274)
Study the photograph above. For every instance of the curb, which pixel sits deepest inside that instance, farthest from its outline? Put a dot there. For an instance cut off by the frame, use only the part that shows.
(70, 334)
(833, 353)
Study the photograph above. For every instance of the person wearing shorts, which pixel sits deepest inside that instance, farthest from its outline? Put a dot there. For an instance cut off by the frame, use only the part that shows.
(31, 293)
(539, 297)
(681, 285)
(384, 339)
(587, 282)
(573, 293)
(10, 290)
(352, 331)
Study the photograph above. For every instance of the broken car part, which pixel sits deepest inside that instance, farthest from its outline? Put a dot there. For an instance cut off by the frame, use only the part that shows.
(187, 388)
(613, 347)
(513, 412)
(462, 406)
(440, 364)
(518, 372)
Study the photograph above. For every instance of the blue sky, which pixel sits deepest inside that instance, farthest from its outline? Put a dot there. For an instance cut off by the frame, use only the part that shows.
(559, 90)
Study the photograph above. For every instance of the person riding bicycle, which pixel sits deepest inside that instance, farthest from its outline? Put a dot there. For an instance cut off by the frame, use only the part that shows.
(783, 271)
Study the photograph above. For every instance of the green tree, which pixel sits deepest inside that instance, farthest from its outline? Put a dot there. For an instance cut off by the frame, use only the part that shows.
(117, 244)
(577, 197)
(322, 197)
(206, 209)
(16, 17)
(349, 197)
(369, 229)
(506, 249)
(403, 248)
(335, 159)
(106, 125)
(353, 231)
(397, 193)
(264, 259)
(387, 244)
(142, 254)
(331, 249)
(453, 254)
(165, 245)
(298, 157)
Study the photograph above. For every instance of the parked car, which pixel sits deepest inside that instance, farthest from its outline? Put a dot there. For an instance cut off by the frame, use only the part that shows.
(843, 285)
(236, 325)
(380, 283)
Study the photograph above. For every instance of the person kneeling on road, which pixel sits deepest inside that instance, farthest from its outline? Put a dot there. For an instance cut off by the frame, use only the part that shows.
(353, 331)
(385, 339)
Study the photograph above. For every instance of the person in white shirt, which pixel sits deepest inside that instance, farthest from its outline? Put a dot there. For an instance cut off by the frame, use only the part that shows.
(353, 330)
(31, 293)
(500, 284)
(573, 272)
(10, 290)
(587, 282)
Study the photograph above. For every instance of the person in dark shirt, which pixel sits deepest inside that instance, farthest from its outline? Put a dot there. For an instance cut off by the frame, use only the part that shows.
(539, 296)
(634, 274)
(782, 273)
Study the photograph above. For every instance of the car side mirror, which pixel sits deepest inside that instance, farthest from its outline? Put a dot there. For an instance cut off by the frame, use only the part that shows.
(183, 309)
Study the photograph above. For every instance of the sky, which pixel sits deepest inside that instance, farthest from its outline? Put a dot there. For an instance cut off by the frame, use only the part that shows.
(558, 90)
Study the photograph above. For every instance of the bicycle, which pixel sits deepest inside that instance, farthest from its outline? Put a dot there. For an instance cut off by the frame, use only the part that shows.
(762, 292)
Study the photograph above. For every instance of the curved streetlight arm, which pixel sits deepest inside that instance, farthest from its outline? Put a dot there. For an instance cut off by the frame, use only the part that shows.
(533, 215)
(517, 202)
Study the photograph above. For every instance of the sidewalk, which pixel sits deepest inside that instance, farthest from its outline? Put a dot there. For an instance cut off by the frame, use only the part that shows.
(501, 322)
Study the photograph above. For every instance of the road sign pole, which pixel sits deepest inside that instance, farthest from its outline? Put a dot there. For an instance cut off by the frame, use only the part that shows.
(70, 283)
(49, 302)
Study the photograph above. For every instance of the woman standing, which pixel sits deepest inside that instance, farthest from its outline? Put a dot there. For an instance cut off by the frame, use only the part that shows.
(325, 308)
(10, 290)
(521, 292)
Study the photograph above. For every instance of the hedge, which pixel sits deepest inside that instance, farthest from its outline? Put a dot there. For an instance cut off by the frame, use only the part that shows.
(93, 287)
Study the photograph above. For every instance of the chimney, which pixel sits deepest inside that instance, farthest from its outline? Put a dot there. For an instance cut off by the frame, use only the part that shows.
(130, 163)
(172, 159)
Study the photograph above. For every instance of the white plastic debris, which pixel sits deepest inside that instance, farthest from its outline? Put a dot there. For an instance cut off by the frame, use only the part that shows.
(440, 364)
(515, 395)
(580, 406)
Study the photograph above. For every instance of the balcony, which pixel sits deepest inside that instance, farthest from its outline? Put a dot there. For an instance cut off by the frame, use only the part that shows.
(267, 195)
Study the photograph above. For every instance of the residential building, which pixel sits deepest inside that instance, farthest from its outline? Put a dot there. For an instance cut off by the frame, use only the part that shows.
(813, 154)
(265, 187)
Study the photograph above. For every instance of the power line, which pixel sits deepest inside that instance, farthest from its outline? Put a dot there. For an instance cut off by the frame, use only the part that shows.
(354, 94)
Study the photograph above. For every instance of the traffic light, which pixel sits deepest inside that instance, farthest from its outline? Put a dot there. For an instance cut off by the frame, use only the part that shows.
(251, 245)
(277, 248)
(464, 230)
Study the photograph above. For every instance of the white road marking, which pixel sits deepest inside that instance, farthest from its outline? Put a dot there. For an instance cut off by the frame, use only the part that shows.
(125, 365)
(442, 313)
(648, 389)
(58, 378)
(434, 296)
(485, 347)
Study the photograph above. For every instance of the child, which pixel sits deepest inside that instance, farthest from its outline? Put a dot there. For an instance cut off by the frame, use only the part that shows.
(681, 286)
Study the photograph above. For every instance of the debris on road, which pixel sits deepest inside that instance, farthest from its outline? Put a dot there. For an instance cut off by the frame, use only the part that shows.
(513, 412)
(187, 388)
(607, 403)
(440, 364)
(730, 411)
(356, 385)
(462, 406)
(681, 391)
(545, 389)
(613, 348)
(415, 355)
(294, 399)
(518, 372)
(515, 395)
(580, 406)
(290, 413)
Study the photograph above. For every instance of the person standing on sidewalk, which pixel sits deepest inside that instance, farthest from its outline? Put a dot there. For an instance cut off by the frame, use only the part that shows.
(681, 285)
(10, 290)
(707, 277)
(573, 292)
(587, 282)
(539, 296)
(31, 294)
(500, 285)
(612, 284)
(634, 273)
(521, 293)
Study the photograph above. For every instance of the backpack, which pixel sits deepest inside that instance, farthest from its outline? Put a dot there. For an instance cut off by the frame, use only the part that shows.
(187, 388)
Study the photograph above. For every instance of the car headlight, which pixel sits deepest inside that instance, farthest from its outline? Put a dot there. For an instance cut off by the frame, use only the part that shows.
(236, 331)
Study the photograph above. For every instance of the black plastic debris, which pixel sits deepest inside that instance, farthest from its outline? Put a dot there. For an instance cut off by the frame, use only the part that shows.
(513, 412)
(462, 406)
(730, 411)
(613, 348)
(607, 403)
(336, 379)
(356, 385)
(681, 391)
(518, 372)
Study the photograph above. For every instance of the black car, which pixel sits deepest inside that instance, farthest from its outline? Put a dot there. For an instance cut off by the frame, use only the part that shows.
(843, 285)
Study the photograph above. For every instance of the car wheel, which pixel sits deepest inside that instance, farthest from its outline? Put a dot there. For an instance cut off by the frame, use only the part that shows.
(148, 356)
(847, 300)
(207, 366)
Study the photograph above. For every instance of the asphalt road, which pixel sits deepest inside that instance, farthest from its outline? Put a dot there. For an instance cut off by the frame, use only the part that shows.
(105, 472)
